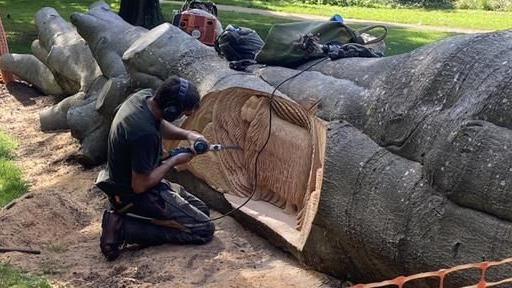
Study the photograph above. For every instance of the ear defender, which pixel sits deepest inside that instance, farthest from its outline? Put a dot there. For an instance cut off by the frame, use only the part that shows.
(173, 112)
(183, 90)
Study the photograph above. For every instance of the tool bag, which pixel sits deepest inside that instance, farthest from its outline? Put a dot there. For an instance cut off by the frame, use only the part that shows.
(238, 43)
(283, 45)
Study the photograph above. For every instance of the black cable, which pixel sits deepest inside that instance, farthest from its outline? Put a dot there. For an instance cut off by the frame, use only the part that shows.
(270, 109)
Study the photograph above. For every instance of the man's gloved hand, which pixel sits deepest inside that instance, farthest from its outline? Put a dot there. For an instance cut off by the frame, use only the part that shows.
(194, 136)
(337, 50)
(310, 44)
(181, 158)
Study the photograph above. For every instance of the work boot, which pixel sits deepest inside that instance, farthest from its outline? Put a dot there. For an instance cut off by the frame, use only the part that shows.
(111, 235)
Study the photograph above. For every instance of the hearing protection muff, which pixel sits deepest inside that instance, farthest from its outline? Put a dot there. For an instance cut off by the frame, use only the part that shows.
(173, 111)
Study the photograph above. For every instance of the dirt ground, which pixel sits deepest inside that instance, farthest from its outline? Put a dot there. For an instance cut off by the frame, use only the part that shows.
(62, 219)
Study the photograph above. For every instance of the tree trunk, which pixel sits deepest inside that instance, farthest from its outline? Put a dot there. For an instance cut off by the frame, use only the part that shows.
(383, 211)
(33, 71)
(145, 13)
(395, 166)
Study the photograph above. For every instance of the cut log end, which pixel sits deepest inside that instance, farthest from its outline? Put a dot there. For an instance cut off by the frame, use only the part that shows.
(141, 44)
(289, 168)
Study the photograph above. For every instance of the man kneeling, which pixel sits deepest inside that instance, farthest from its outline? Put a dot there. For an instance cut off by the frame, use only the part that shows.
(136, 173)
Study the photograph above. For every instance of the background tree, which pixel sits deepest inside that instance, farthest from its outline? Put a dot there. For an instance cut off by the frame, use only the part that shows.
(145, 13)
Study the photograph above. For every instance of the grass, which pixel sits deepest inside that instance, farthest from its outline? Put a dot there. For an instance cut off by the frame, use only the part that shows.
(22, 31)
(7, 145)
(12, 278)
(452, 18)
(399, 40)
(12, 184)
(18, 18)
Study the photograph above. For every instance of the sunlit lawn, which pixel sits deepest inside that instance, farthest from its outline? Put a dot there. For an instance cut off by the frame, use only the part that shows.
(17, 17)
(12, 184)
(453, 18)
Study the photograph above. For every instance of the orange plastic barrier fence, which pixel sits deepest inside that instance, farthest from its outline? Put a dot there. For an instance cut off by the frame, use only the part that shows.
(5, 77)
(441, 275)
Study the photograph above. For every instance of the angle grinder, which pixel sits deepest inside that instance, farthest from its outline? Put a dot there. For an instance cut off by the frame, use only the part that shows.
(200, 147)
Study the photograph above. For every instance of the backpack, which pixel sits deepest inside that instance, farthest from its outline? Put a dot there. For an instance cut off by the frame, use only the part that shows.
(284, 45)
(238, 43)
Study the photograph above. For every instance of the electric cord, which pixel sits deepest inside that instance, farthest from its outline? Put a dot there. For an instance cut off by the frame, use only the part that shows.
(270, 110)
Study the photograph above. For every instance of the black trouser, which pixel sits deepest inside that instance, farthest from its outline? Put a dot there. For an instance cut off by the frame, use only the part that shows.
(167, 202)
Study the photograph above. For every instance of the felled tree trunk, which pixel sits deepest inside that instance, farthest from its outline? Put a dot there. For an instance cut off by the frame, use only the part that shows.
(68, 55)
(62, 65)
(34, 72)
(395, 166)
(108, 36)
(73, 63)
(149, 58)
(371, 205)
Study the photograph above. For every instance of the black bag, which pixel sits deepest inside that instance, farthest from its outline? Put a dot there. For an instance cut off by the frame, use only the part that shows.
(284, 45)
(238, 43)
(337, 50)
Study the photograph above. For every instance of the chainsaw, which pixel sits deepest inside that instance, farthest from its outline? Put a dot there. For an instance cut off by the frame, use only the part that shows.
(199, 19)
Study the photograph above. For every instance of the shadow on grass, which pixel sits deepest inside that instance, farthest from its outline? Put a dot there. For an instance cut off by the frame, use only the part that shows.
(402, 40)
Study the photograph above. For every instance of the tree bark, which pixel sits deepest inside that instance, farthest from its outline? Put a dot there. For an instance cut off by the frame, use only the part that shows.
(69, 55)
(62, 65)
(382, 215)
(30, 69)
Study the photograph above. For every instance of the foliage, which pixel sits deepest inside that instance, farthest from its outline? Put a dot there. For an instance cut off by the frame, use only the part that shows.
(346, 3)
(494, 5)
(382, 3)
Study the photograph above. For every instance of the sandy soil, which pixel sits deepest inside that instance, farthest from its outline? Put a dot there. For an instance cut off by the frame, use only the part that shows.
(62, 219)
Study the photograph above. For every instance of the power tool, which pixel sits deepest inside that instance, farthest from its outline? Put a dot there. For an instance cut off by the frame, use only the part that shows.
(199, 19)
(200, 147)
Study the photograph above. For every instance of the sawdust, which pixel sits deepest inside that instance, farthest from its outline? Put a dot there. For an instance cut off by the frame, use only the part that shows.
(63, 221)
